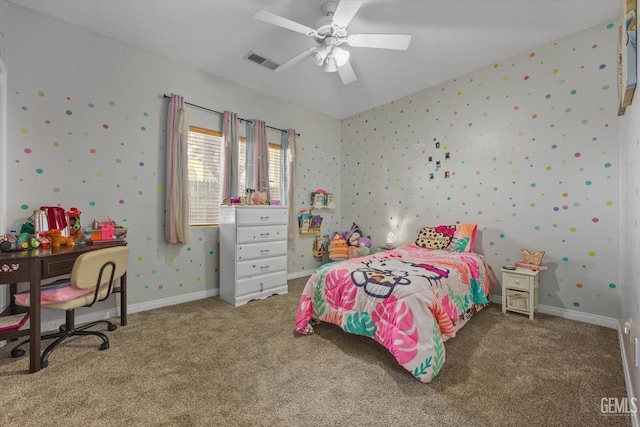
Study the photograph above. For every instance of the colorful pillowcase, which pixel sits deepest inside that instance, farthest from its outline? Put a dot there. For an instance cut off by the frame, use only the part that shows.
(453, 238)
(464, 238)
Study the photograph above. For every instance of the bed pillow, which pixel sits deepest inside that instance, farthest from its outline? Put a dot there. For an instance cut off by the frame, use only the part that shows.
(435, 237)
(464, 238)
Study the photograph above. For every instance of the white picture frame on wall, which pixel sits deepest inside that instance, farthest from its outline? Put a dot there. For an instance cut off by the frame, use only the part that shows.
(627, 55)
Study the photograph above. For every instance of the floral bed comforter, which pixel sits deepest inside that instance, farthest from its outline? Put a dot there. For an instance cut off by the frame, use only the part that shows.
(410, 300)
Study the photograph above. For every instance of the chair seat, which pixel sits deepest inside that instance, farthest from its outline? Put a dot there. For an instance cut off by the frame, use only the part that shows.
(62, 297)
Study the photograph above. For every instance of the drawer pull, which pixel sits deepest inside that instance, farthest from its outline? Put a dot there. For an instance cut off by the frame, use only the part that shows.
(264, 251)
(263, 235)
(264, 267)
(264, 218)
(261, 287)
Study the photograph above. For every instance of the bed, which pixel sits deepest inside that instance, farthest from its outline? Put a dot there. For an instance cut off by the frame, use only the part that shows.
(410, 299)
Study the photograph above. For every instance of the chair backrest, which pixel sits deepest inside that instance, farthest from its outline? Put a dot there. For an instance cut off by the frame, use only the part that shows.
(88, 267)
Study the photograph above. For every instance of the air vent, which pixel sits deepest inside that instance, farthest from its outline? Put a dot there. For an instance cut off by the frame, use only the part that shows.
(254, 57)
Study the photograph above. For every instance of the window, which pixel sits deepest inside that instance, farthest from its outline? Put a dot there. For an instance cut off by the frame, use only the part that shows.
(206, 174)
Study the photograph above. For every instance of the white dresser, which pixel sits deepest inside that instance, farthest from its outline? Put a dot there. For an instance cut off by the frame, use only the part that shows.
(253, 252)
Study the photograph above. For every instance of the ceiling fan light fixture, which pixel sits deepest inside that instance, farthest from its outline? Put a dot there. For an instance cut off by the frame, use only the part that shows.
(320, 55)
(330, 33)
(341, 56)
(330, 65)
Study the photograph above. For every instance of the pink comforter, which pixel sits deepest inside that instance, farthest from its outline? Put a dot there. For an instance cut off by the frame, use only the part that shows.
(410, 300)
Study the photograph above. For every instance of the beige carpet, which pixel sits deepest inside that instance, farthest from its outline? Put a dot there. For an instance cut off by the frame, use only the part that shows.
(206, 363)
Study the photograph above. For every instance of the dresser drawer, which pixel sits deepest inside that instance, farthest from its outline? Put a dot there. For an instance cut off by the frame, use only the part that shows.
(261, 234)
(261, 216)
(249, 251)
(260, 284)
(515, 281)
(261, 266)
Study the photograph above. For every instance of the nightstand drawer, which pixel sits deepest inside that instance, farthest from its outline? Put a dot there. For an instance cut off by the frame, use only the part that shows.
(513, 281)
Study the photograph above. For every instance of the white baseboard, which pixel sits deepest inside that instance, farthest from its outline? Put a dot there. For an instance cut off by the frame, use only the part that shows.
(165, 302)
(133, 308)
(299, 274)
(624, 343)
(594, 319)
(150, 305)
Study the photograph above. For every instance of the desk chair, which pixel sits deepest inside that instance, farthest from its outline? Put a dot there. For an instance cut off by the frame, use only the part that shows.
(92, 279)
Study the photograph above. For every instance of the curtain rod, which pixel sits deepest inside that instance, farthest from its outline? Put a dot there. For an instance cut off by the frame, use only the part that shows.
(218, 112)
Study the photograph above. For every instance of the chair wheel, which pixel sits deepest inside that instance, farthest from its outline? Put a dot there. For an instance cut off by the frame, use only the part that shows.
(112, 327)
(104, 346)
(44, 363)
(17, 352)
(62, 328)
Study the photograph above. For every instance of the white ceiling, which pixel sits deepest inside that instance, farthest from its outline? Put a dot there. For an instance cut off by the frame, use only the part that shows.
(450, 38)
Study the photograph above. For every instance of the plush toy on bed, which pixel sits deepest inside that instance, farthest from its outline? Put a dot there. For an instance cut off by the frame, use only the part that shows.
(338, 248)
(358, 244)
(354, 237)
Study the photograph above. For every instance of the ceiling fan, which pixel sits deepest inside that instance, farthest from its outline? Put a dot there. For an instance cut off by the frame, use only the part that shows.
(330, 34)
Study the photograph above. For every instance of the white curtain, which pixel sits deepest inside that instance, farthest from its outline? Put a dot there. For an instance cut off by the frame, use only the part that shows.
(177, 185)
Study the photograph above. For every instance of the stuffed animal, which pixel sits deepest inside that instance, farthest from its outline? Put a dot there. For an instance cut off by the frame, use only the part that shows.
(363, 242)
(354, 237)
(358, 251)
(338, 248)
(57, 239)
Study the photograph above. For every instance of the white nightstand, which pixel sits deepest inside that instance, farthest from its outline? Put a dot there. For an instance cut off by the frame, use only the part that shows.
(520, 291)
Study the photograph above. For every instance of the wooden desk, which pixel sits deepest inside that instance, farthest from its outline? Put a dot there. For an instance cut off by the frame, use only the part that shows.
(35, 265)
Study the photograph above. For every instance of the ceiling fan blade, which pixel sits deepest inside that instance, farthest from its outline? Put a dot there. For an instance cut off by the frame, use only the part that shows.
(345, 12)
(380, 41)
(346, 73)
(295, 60)
(271, 18)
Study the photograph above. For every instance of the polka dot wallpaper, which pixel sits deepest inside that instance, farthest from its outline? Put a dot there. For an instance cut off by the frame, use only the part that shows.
(86, 119)
(527, 148)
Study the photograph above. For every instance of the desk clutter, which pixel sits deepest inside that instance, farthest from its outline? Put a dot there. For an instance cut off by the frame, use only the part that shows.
(53, 226)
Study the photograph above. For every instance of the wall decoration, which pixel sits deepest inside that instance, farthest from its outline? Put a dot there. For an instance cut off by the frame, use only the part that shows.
(627, 54)
(499, 149)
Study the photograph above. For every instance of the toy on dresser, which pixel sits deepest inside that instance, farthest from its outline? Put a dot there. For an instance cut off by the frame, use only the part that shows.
(531, 260)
